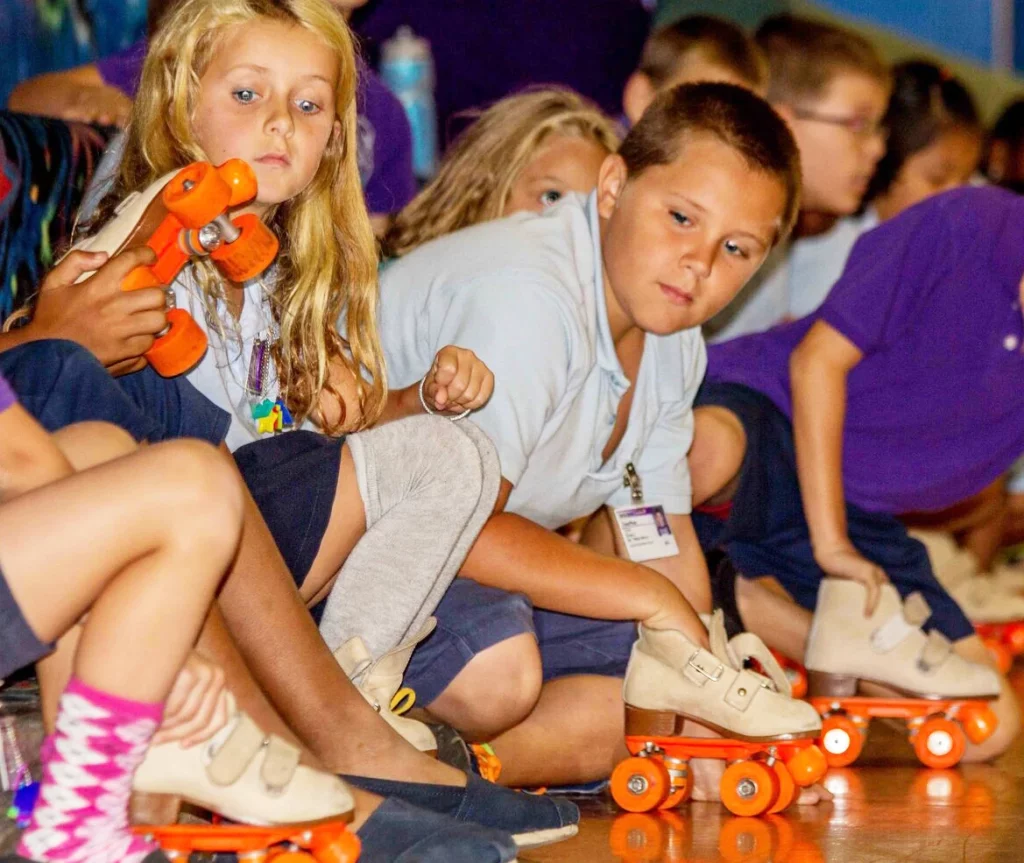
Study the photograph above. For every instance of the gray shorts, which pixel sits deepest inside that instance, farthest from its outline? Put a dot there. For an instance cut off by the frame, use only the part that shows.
(18, 643)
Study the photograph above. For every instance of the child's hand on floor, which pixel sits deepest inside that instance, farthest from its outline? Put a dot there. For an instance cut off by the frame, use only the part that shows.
(849, 563)
(457, 381)
(198, 705)
(114, 325)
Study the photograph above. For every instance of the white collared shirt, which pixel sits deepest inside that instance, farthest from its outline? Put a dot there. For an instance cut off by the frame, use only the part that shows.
(526, 294)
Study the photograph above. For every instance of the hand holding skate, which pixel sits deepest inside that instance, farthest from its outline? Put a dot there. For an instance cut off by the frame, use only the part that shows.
(846, 562)
(181, 216)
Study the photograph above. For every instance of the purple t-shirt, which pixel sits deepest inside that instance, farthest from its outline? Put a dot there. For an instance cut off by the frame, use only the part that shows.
(935, 410)
(7, 396)
(385, 139)
(486, 49)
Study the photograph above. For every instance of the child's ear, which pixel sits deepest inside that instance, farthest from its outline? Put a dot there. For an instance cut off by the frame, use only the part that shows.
(336, 134)
(637, 96)
(611, 180)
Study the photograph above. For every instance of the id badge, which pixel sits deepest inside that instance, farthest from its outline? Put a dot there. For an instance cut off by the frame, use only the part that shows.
(646, 532)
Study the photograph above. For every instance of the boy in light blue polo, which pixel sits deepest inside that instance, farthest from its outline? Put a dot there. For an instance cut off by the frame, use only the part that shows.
(589, 316)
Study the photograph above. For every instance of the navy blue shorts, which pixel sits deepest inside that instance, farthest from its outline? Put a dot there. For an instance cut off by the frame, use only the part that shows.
(766, 531)
(472, 617)
(293, 478)
(18, 643)
(61, 383)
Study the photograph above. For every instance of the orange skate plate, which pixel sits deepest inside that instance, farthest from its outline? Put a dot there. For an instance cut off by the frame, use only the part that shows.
(240, 837)
(892, 708)
(716, 747)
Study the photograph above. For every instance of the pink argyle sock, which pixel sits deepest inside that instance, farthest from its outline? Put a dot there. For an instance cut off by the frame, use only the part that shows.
(88, 764)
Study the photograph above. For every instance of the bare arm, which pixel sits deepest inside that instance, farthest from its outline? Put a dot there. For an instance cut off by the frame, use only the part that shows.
(818, 370)
(74, 94)
(518, 555)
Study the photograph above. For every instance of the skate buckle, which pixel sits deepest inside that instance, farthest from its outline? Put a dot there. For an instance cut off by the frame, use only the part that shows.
(713, 676)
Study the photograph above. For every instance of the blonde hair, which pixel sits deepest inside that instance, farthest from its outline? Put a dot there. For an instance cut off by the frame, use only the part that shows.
(475, 180)
(328, 261)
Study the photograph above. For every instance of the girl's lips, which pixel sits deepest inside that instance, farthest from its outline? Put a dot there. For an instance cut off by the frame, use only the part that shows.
(274, 160)
(676, 296)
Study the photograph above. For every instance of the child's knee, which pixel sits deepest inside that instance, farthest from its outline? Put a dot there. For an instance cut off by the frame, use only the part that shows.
(497, 690)
(90, 443)
(716, 456)
(201, 492)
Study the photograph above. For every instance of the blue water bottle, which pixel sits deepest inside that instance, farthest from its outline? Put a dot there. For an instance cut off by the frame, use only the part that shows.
(407, 68)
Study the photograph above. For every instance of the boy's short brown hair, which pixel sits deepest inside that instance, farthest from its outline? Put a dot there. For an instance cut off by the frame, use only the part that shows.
(804, 56)
(716, 40)
(733, 115)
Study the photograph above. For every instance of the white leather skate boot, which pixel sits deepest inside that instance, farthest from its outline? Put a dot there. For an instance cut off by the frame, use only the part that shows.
(984, 598)
(887, 648)
(670, 679)
(244, 775)
(380, 680)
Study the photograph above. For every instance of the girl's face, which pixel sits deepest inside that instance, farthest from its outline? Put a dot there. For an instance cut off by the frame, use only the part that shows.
(679, 241)
(949, 161)
(268, 97)
(563, 164)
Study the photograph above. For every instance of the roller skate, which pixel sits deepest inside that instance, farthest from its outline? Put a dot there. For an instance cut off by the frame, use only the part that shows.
(996, 611)
(180, 216)
(767, 737)
(322, 843)
(380, 681)
(241, 774)
(941, 696)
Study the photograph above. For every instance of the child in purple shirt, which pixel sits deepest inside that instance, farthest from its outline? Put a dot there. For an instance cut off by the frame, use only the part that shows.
(902, 392)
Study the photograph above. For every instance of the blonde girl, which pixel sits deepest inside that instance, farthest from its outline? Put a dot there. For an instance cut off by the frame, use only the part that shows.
(524, 152)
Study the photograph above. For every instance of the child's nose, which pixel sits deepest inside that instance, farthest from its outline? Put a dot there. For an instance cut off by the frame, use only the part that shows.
(279, 118)
(698, 259)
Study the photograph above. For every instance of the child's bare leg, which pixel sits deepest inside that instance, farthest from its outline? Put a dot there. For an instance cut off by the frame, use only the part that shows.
(283, 649)
(716, 456)
(162, 523)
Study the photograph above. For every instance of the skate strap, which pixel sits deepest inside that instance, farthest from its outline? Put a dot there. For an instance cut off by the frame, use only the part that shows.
(743, 690)
(353, 657)
(242, 744)
(279, 763)
(746, 646)
(720, 640)
(936, 649)
(914, 612)
(702, 667)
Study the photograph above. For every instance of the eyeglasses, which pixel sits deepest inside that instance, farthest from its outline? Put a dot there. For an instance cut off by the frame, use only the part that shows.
(861, 127)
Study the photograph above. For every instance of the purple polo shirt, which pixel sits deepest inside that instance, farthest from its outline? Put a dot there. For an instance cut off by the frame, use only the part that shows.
(7, 396)
(385, 139)
(935, 410)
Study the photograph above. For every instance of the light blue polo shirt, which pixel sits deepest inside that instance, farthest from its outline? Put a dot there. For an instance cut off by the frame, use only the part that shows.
(526, 294)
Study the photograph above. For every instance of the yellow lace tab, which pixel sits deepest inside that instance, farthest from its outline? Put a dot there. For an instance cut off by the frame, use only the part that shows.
(487, 762)
(403, 701)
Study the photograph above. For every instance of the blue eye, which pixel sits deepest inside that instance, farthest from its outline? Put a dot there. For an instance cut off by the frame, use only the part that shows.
(551, 196)
(308, 107)
(734, 250)
(680, 218)
(245, 96)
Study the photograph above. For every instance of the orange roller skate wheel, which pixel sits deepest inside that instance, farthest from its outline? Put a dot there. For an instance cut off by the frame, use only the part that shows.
(680, 786)
(1015, 638)
(637, 838)
(343, 849)
(240, 179)
(180, 348)
(251, 253)
(196, 195)
(294, 857)
(745, 839)
(749, 788)
(808, 766)
(979, 722)
(787, 788)
(841, 740)
(940, 742)
(640, 784)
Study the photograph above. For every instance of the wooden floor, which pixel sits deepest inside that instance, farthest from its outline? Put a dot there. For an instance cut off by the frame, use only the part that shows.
(885, 809)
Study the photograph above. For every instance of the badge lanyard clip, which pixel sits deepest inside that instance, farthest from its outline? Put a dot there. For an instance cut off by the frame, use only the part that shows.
(631, 480)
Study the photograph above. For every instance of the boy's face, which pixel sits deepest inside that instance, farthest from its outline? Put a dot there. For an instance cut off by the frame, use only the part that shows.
(679, 241)
(840, 141)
